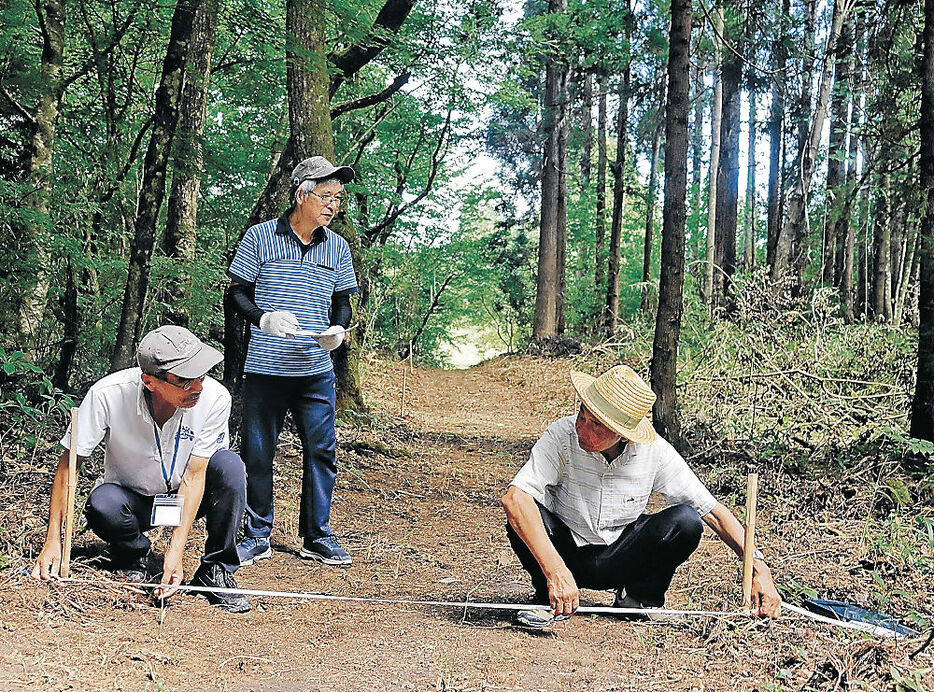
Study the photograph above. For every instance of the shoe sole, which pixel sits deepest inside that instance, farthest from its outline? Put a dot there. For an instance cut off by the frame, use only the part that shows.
(262, 556)
(311, 555)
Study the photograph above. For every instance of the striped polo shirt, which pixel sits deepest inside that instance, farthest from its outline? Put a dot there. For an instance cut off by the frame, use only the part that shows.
(285, 277)
(596, 499)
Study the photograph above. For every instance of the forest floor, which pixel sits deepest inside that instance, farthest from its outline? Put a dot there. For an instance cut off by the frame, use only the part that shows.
(417, 505)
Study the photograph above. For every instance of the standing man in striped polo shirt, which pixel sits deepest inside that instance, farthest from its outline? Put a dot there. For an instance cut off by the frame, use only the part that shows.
(293, 275)
(576, 510)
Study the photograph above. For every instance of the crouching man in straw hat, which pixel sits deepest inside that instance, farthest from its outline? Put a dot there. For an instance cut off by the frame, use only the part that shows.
(576, 509)
(164, 427)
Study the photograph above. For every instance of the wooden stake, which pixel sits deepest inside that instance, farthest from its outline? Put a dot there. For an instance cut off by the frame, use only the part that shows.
(65, 570)
(402, 407)
(749, 545)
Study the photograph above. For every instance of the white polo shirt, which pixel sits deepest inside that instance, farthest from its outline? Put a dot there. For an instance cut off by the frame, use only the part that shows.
(597, 500)
(115, 411)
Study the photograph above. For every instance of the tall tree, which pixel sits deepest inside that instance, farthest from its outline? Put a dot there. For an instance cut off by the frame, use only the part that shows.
(152, 188)
(793, 229)
(650, 196)
(727, 197)
(922, 406)
(716, 116)
(51, 15)
(776, 132)
(181, 236)
(837, 151)
(664, 367)
(619, 183)
(553, 218)
(600, 223)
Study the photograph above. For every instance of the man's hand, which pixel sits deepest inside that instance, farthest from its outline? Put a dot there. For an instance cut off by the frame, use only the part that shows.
(563, 593)
(280, 323)
(332, 337)
(49, 561)
(765, 599)
(172, 574)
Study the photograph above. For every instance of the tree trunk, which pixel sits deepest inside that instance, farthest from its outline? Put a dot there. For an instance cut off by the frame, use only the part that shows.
(922, 407)
(600, 229)
(909, 268)
(664, 366)
(32, 305)
(619, 198)
(749, 243)
(881, 252)
(776, 131)
(71, 323)
(727, 198)
(716, 116)
(836, 158)
(586, 129)
(788, 251)
(650, 200)
(697, 145)
(548, 301)
(152, 188)
(181, 230)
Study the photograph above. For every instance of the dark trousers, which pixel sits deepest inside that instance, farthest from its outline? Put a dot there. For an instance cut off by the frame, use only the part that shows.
(266, 398)
(642, 560)
(120, 516)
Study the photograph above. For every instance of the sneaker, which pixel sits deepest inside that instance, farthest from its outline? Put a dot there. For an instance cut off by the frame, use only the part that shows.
(216, 576)
(538, 618)
(325, 549)
(253, 548)
(134, 569)
(624, 600)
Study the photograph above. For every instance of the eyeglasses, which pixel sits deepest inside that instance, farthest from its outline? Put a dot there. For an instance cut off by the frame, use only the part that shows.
(183, 383)
(328, 199)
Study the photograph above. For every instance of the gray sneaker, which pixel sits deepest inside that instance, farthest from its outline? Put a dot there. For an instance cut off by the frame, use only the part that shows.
(538, 618)
(253, 548)
(624, 600)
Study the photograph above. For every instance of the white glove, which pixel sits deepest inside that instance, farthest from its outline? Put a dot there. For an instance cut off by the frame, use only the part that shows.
(331, 338)
(280, 323)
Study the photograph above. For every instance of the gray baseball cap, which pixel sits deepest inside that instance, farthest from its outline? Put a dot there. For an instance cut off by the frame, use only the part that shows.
(318, 168)
(176, 350)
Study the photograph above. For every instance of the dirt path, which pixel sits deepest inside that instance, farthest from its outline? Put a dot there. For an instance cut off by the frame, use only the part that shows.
(417, 506)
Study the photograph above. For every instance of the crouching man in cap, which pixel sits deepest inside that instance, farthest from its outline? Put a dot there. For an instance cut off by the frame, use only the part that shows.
(166, 462)
(576, 509)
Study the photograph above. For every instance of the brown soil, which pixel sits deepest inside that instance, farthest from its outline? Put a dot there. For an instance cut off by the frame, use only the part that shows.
(417, 506)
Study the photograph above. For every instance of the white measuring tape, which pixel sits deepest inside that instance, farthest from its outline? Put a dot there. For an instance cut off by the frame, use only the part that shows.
(868, 628)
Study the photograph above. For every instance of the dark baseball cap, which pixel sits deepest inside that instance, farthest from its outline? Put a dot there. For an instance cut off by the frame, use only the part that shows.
(176, 350)
(319, 168)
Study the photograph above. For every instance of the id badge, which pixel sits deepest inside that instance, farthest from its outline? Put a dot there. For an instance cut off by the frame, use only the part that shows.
(167, 510)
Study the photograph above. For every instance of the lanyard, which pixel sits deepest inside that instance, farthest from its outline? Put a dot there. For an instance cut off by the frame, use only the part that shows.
(167, 477)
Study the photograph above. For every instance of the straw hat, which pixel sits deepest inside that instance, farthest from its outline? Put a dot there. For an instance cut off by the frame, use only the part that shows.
(620, 399)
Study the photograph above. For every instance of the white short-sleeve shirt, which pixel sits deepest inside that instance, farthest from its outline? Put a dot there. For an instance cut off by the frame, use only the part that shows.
(596, 499)
(115, 411)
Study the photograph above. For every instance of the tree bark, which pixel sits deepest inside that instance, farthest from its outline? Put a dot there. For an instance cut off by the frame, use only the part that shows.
(152, 188)
(922, 406)
(881, 252)
(619, 204)
(586, 129)
(600, 230)
(51, 15)
(727, 198)
(776, 131)
(697, 145)
(788, 251)
(650, 199)
(716, 116)
(749, 243)
(181, 230)
(664, 366)
(548, 301)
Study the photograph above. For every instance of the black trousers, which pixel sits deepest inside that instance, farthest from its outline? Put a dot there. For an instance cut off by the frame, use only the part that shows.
(642, 560)
(120, 516)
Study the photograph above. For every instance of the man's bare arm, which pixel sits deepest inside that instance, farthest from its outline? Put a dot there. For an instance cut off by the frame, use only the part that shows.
(192, 489)
(766, 600)
(526, 521)
(49, 561)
